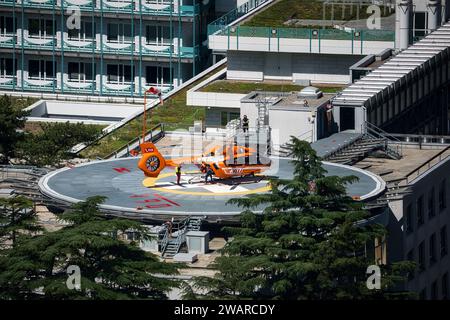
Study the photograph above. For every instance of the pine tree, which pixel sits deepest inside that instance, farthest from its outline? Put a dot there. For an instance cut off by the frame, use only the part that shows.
(109, 267)
(307, 244)
(11, 121)
(17, 218)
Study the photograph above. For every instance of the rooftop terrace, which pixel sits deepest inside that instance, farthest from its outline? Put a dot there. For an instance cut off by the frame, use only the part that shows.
(284, 13)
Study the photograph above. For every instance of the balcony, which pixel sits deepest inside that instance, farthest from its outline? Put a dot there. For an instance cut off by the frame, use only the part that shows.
(118, 89)
(157, 50)
(118, 48)
(39, 84)
(39, 43)
(8, 82)
(79, 45)
(150, 6)
(39, 3)
(189, 52)
(82, 4)
(8, 40)
(9, 3)
(118, 6)
(79, 86)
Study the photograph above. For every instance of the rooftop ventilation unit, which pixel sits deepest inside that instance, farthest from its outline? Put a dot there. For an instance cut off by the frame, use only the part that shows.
(310, 92)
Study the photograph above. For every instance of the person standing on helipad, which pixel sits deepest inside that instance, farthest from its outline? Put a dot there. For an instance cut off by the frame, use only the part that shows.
(178, 173)
(209, 173)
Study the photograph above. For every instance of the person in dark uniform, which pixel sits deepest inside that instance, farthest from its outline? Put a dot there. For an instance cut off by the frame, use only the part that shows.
(245, 123)
(209, 173)
(178, 173)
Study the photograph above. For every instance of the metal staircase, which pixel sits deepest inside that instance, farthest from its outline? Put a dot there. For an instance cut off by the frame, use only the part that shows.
(372, 139)
(170, 244)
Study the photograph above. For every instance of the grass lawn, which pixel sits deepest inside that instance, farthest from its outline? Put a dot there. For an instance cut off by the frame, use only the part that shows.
(227, 86)
(284, 10)
(174, 114)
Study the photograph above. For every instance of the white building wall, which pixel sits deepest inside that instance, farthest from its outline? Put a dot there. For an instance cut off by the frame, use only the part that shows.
(289, 123)
(258, 66)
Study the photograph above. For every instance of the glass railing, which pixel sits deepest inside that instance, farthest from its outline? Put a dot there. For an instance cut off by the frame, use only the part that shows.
(8, 40)
(82, 4)
(303, 33)
(39, 85)
(8, 82)
(81, 87)
(39, 43)
(39, 3)
(127, 48)
(233, 15)
(126, 90)
(79, 46)
(118, 6)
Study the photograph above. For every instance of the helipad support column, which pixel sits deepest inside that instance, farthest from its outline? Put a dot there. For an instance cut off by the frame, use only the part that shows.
(404, 15)
(434, 14)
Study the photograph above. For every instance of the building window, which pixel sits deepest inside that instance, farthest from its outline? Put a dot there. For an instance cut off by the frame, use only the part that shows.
(443, 236)
(409, 219)
(431, 211)
(157, 76)
(7, 67)
(442, 196)
(420, 218)
(41, 70)
(86, 32)
(421, 254)
(434, 291)
(81, 71)
(119, 32)
(119, 73)
(158, 35)
(7, 26)
(432, 248)
(444, 286)
(40, 28)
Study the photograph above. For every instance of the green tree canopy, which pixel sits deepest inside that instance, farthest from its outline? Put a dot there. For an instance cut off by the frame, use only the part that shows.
(110, 268)
(12, 120)
(54, 143)
(17, 218)
(308, 243)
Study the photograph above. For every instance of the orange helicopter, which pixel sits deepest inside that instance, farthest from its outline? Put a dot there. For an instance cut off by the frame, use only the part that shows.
(225, 162)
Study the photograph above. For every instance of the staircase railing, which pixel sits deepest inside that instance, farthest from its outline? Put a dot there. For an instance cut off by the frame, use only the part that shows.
(393, 143)
(165, 240)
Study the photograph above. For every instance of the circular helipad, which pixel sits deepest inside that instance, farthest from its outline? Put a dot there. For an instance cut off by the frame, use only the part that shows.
(130, 194)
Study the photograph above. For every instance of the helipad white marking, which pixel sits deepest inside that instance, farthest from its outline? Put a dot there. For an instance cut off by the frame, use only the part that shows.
(218, 188)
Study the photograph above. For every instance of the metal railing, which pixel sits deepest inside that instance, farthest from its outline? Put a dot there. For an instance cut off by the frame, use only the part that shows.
(430, 164)
(221, 23)
(393, 143)
(154, 134)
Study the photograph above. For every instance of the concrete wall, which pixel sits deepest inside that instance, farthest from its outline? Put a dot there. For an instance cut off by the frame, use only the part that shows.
(401, 242)
(214, 99)
(290, 123)
(260, 66)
